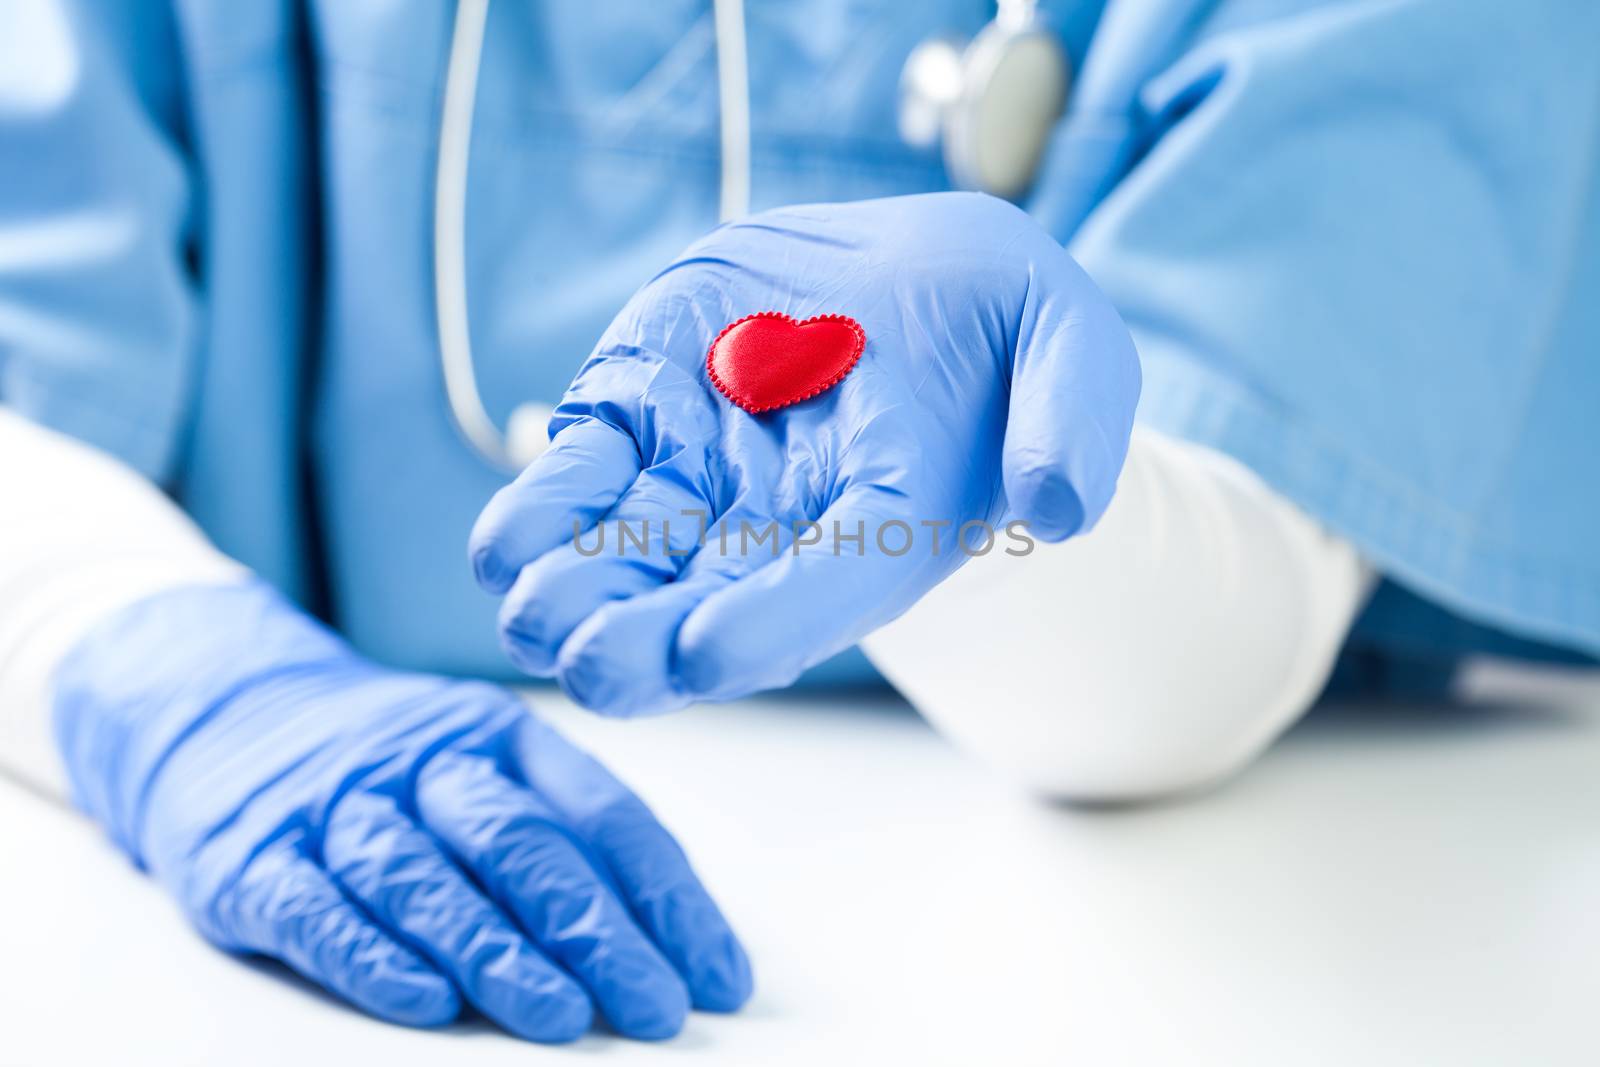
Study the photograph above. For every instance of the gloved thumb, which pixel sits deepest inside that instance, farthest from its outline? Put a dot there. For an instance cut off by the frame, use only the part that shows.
(1074, 387)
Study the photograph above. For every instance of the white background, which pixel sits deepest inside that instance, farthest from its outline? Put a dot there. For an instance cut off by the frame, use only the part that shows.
(1399, 885)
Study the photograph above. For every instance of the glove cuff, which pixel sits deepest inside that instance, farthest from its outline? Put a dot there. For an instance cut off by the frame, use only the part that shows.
(151, 674)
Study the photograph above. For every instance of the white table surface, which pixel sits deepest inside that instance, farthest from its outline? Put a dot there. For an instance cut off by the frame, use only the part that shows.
(1390, 886)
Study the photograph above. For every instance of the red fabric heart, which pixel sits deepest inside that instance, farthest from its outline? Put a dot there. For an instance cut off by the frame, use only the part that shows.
(768, 360)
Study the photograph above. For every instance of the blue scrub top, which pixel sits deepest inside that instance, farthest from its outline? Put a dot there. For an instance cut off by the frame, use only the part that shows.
(1358, 244)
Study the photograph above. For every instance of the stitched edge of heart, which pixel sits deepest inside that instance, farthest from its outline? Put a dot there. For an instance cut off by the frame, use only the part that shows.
(855, 357)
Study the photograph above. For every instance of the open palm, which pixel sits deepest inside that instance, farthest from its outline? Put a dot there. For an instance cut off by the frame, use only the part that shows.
(671, 547)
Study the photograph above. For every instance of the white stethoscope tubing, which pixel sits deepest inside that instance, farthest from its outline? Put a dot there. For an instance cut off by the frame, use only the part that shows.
(462, 394)
(733, 108)
(450, 239)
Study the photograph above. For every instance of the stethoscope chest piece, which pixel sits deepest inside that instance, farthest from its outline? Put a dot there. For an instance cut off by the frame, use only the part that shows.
(991, 104)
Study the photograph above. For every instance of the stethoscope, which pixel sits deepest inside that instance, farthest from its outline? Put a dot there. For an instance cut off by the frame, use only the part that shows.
(989, 103)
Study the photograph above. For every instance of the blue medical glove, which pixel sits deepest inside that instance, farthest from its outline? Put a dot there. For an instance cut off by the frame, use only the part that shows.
(406, 841)
(997, 385)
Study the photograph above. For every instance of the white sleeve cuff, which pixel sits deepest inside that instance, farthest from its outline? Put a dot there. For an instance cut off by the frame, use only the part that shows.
(1160, 652)
(85, 537)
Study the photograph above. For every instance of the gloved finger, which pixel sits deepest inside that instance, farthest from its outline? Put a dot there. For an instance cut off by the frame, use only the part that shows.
(763, 630)
(513, 843)
(646, 862)
(575, 481)
(639, 544)
(618, 660)
(1074, 386)
(396, 871)
(286, 907)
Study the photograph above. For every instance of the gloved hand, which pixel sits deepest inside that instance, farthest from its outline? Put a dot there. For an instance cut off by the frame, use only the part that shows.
(997, 385)
(403, 840)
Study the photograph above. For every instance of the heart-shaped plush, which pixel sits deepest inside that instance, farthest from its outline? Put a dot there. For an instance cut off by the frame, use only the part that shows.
(768, 360)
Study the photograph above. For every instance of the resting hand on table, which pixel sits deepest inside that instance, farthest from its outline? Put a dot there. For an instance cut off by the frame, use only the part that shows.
(997, 384)
(406, 841)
